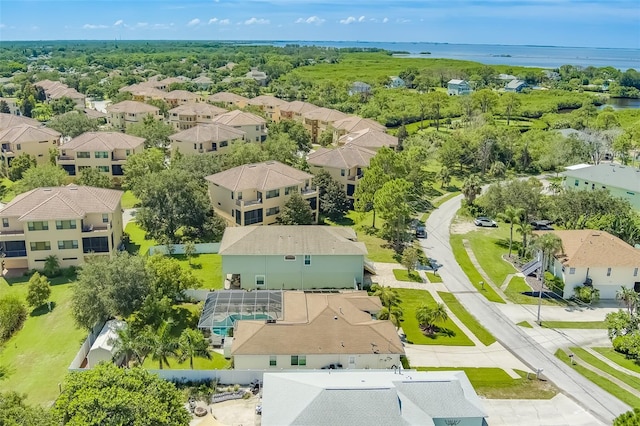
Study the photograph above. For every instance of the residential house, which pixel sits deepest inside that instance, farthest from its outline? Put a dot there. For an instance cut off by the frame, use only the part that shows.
(70, 222)
(143, 92)
(125, 113)
(320, 119)
(228, 100)
(360, 88)
(396, 82)
(597, 258)
(353, 124)
(363, 398)
(57, 90)
(181, 97)
(10, 120)
(229, 66)
(515, 86)
(12, 103)
(205, 138)
(27, 139)
(270, 105)
(507, 77)
(259, 76)
(254, 126)
(203, 82)
(94, 114)
(254, 194)
(620, 181)
(369, 139)
(295, 110)
(165, 83)
(106, 151)
(292, 257)
(191, 114)
(345, 164)
(457, 87)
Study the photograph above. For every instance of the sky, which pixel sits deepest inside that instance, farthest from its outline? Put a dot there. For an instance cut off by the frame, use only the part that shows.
(582, 23)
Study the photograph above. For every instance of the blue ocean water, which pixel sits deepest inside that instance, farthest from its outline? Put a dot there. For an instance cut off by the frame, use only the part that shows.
(493, 54)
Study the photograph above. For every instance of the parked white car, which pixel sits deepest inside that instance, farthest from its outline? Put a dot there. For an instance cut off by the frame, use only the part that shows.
(485, 221)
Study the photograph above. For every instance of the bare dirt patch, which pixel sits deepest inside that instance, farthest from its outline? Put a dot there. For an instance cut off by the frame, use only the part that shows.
(459, 226)
(238, 411)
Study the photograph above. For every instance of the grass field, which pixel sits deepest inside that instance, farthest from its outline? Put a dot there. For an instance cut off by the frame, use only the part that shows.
(585, 325)
(37, 356)
(449, 335)
(607, 385)
(489, 244)
(138, 244)
(433, 278)
(129, 200)
(495, 383)
(619, 359)
(525, 324)
(634, 382)
(217, 362)
(376, 246)
(467, 319)
(10, 194)
(517, 286)
(403, 275)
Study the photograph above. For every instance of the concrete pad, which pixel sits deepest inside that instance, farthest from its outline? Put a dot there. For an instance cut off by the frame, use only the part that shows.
(558, 411)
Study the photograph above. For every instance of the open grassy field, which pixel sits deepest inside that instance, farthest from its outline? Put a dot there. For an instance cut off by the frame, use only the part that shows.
(495, 383)
(449, 335)
(469, 320)
(376, 246)
(619, 359)
(206, 267)
(489, 245)
(433, 278)
(525, 324)
(37, 356)
(217, 362)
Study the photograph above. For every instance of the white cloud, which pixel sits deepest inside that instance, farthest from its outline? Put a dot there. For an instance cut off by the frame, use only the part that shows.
(142, 24)
(385, 20)
(403, 21)
(118, 23)
(94, 27)
(213, 21)
(348, 21)
(256, 21)
(360, 19)
(193, 22)
(310, 20)
(224, 22)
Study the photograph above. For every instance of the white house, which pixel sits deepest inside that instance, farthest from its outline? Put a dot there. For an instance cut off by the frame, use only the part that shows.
(596, 257)
(103, 348)
(457, 87)
(357, 398)
(620, 181)
(515, 86)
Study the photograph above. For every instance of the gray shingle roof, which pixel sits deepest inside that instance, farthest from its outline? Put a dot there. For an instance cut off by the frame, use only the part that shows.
(260, 176)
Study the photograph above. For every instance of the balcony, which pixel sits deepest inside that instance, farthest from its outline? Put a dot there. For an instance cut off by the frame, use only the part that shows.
(65, 158)
(11, 233)
(247, 203)
(355, 178)
(95, 228)
(311, 190)
(7, 152)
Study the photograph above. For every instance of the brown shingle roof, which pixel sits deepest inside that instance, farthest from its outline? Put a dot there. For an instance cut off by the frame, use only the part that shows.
(132, 107)
(208, 133)
(325, 114)
(260, 176)
(369, 138)
(344, 157)
(63, 202)
(239, 118)
(198, 108)
(10, 120)
(294, 240)
(355, 123)
(103, 141)
(322, 324)
(26, 133)
(589, 248)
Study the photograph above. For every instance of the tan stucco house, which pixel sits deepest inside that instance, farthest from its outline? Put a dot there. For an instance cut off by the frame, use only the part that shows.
(125, 113)
(354, 124)
(270, 105)
(193, 113)
(205, 138)
(369, 139)
(228, 100)
(254, 194)
(181, 97)
(27, 139)
(295, 110)
(320, 119)
(254, 126)
(70, 222)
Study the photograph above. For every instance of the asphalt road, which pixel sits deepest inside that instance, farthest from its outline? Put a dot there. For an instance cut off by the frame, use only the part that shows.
(595, 400)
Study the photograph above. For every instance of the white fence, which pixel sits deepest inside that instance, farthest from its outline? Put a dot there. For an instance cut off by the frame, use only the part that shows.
(201, 248)
(86, 346)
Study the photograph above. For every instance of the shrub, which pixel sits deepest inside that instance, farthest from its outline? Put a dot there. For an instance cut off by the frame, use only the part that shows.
(555, 284)
(13, 313)
(586, 294)
(621, 344)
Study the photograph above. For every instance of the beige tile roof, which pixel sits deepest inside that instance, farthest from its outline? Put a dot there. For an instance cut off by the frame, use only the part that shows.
(94, 113)
(369, 138)
(355, 123)
(239, 118)
(132, 107)
(63, 202)
(325, 114)
(266, 100)
(181, 94)
(589, 248)
(65, 92)
(198, 108)
(24, 133)
(294, 240)
(226, 97)
(143, 90)
(47, 84)
(10, 120)
(322, 324)
(103, 141)
(203, 79)
(260, 176)
(208, 133)
(344, 157)
(298, 107)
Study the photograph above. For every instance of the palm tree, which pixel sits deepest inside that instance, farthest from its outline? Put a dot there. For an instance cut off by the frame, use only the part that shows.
(388, 296)
(444, 176)
(161, 344)
(548, 245)
(428, 316)
(629, 297)
(192, 343)
(471, 188)
(525, 229)
(127, 345)
(513, 216)
(394, 315)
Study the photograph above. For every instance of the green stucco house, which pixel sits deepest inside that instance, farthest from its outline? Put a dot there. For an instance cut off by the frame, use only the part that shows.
(620, 181)
(292, 257)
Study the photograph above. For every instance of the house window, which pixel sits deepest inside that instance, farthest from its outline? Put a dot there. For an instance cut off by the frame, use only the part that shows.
(608, 272)
(19, 147)
(273, 360)
(289, 257)
(273, 193)
(635, 272)
(104, 169)
(259, 280)
(290, 190)
(195, 146)
(5, 222)
(576, 182)
(101, 154)
(253, 216)
(223, 144)
(38, 226)
(127, 152)
(631, 193)
(67, 244)
(572, 271)
(298, 360)
(65, 224)
(273, 210)
(342, 172)
(105, 218)
(307, 259)
(83, 154)
(40, 245)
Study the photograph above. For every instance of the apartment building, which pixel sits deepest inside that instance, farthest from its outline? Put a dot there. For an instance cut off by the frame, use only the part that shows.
(106, 151)
(320, 119)
(27, 139)
(295, 110)
(10, 120)
(270, 105)
(57, 90)
(254, 126)
(191, 114)
(205, 138)
(370, 139)
(254, 194)
(228, 100)
(70, 222)
(181, 97)
(125, 113)
(354, 124)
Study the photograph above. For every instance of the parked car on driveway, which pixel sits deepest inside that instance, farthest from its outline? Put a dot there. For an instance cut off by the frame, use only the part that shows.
(542, 225)
(485, 222)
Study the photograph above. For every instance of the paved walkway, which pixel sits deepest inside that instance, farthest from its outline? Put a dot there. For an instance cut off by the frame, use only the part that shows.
(611, 363)
(476, 264)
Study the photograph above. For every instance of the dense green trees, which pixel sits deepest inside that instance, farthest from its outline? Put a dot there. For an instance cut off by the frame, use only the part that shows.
(14, 411)
(73, 124)
(429, 316)
(12, 316)
(41, 176)
(296, 211)
(38, 291)
(90, 176)
(19, 165)
(155, 132)
(391, 203)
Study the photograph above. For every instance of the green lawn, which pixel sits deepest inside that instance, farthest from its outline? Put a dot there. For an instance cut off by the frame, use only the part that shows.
(450, 335)
(206, 267)
(10, 194)
(517, 286)
(38, 355)
(467, 319)
(525, 324)
(489, 244)
(604, 383)
(376, 246)
(586, 325)
(138, 244)
(474, 276)
(433, 278)
(625, 378)
(217, 362)
(129, 200)
(495, 383)
(619, 359)
(403, 275)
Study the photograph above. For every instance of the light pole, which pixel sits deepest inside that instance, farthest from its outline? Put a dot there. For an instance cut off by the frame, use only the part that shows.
(542, 268)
